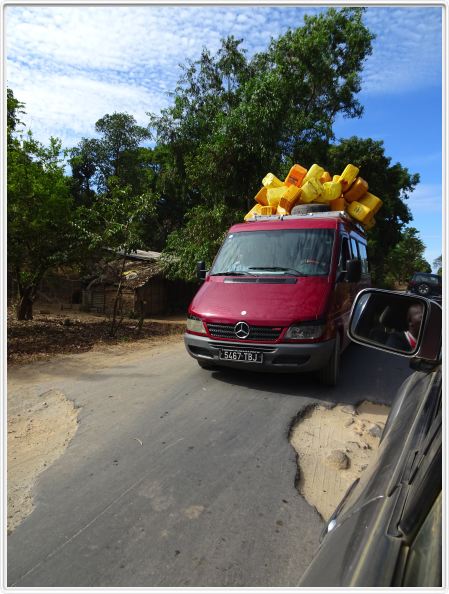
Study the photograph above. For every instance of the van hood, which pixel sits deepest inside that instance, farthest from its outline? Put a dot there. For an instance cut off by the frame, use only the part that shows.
(265, 301)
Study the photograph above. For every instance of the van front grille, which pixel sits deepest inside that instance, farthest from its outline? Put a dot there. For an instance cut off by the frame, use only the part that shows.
(255, 332)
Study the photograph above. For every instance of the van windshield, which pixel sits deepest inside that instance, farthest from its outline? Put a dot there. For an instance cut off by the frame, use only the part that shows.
(297, 252)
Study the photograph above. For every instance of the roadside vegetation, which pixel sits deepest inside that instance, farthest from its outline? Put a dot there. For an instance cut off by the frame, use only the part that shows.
(176, 184)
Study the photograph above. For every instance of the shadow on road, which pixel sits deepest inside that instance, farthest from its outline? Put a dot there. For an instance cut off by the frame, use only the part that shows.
(365, 374)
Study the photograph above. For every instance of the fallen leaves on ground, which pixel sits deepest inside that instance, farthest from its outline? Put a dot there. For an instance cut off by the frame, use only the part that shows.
(50, 334)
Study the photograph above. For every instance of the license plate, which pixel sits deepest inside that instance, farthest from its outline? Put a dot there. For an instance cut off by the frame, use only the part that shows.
(244, 356)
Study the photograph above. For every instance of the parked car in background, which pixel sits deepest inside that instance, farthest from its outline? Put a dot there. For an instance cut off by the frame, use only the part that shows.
(387, 530)
(425, 284)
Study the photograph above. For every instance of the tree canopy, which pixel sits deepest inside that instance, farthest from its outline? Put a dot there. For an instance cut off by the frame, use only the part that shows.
(233, 119)
(40, 232)
(55, 219)
(406, 257)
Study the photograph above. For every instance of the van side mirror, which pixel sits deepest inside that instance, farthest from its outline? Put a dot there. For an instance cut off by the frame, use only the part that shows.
(201, 270)
(398, 323)
(353, 270)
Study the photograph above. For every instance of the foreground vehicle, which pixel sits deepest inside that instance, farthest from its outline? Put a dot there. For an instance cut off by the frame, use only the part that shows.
(279, 294)
(387, 530)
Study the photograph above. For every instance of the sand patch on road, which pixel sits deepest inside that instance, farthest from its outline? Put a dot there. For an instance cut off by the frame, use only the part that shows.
(39, 430)
(334, 446)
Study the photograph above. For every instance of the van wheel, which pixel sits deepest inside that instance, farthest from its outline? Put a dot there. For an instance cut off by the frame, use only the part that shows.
(306, 208)
(206, 365)
(329, 373)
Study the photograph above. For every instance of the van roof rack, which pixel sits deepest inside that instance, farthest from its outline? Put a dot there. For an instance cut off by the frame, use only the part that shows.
(324, 214)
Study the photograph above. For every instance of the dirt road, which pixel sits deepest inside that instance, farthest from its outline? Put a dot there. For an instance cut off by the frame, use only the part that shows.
(167, 475)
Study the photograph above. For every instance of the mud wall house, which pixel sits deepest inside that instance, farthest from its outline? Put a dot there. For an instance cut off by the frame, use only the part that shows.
(144, 289)
(60, 288)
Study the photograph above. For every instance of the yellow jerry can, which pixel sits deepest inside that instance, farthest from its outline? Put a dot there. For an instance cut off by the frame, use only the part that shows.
(274, 195)
(336, 178)
(331, 191)
(271, 181)
(255, 210)
(295, 176)
(291, 194)
(311, 190)
(261, 197)
(350, 172)
(357, 190)
(338, 204)
(369, 224)
(315, 172)
(372, 202)
(267, 210)
(286, 205)
(360, 212)
(326, 177)
(282, 211)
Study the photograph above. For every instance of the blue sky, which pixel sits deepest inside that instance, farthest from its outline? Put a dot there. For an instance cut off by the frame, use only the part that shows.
(73, 64)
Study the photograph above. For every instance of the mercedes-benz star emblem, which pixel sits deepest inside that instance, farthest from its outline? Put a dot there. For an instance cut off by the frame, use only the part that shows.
(241, 330)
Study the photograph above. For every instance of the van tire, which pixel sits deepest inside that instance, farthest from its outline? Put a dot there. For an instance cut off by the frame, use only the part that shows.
(307, 208)
(330, 372)
(206, 365)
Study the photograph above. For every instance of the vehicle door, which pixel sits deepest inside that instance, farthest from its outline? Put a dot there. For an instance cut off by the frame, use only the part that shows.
(340, 306)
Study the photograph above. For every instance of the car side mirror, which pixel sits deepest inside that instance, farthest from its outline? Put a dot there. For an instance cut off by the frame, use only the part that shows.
(398, 323)
(353, 270)
(201, 270)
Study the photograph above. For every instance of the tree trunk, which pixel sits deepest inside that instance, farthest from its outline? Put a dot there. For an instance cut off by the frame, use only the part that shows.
(141, 308)
(114, 323)
(24, 309)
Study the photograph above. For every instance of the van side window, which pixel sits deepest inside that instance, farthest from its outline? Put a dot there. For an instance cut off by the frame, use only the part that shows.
(363, 257)
(344, 254)
(355, 253)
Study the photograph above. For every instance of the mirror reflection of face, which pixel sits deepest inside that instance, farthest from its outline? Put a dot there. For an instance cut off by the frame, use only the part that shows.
(414, 319)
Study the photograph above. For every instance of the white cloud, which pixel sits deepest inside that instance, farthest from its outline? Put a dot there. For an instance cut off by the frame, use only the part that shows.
(407, 49)
(68, 106)
(73, 64)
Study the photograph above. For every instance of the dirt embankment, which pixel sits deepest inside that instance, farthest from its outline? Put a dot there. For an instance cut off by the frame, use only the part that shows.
(334, 446)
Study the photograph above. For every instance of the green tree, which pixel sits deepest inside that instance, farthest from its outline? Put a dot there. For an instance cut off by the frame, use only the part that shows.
(406, 258)
(437, 265)
(14, 109)
(392, 183)
(113, 180)
(114, 223)
(233, 119)
(116, 154)
(40, 230)
(199, 239)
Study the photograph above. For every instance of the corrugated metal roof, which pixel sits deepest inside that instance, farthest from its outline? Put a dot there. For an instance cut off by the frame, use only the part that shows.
(142, 255)
(135, 273)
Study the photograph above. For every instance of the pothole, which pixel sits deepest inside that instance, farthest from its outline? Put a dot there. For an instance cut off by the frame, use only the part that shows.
(334, 446)
(38, 434)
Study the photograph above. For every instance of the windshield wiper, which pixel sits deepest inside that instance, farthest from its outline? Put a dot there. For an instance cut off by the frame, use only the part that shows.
(232, 273)
(280, 269)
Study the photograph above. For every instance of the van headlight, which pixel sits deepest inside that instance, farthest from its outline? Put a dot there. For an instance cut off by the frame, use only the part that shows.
(305, 331)
(196, 325)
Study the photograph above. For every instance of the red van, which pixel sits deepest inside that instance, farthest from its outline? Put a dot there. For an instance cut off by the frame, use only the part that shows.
(279, 294)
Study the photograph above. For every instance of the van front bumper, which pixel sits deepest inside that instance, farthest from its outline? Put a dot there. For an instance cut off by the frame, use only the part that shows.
(282, 357)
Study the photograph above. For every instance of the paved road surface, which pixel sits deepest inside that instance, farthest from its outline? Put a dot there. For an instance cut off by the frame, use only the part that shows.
(208, 499)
